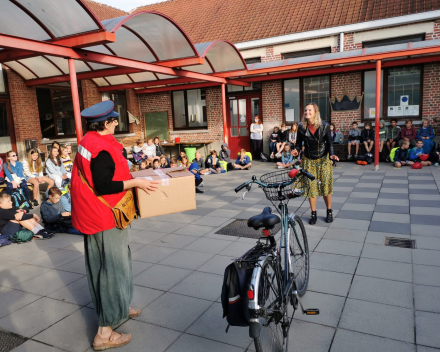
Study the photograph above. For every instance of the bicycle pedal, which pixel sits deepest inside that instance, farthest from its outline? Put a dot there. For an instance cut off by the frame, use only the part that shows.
(311, 311)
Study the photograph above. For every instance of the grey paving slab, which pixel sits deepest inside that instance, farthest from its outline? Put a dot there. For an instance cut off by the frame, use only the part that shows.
(236, 249)
(330, 308)
(180, 218)
(382, 252)
(200, 285)
(426, 257)
(360, 200)
(138, 267)
(329, 282)
(199, 211)
(34, 346)
(427, 329)
(189, 343)
(186, 259)
(394, 209)
(174, 241)
(423, 211)
(426, 298)
(355, 215)
(210, 325)
(194, 230)
(161, 226)
(208, 245)
(424, 197)
(20, 273)
(161, 277)
(367, 194)
(216, 265)
(425, 220)
(345, 235)
(387, 292)
(390, 217)
(30, 252)
(423, 191)
(395, 196)
(12, 300)
(421, 348)
(333, 262)
(314, 231)
(77, 293)
(210, 221)
(352, 341)
(426, 275)
(350, 224)
(36, 316)
(390, 227)
(385, 269)
(425, 203)
(340, 247)
(146, 237)
(378, 319)
(362, 186)
(358, 207)
(394, 190)
(174, 311)
(425, 242)
(153, 254)
(392, 202)
(424, 185)
(310, 337)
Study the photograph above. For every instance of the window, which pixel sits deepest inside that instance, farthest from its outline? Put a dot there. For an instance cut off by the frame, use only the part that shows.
(252, 60)
(254, 86)
(189, 109)
(303, 53)
(120, 107)
(392, 41)
(400, 92)
(301, 91)
(55, 107)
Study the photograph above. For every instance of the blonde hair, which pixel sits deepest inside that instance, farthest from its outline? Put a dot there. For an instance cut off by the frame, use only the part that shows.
(425, 120)
(187, 161)
(134, 168)
(286, 153)
(161, 158)
(318, 121)
(38, 163)
(296, 125)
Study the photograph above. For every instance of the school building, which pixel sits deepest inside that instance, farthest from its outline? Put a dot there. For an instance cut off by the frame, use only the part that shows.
(273, 56)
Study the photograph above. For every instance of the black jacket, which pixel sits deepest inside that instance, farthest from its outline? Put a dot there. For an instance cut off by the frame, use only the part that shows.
(316, 145)
(283, 136)
(367, 135)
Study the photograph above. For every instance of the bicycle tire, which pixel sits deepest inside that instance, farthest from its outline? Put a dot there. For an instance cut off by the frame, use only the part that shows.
(299, 259)
(271, 338)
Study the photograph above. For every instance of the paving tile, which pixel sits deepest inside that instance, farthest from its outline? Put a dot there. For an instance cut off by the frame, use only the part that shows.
(200, 285)
(211, 204)
(48, 282)
(358, 207)
(390, 227)
(160, 226)
(394, 254)
(146, 237)
(308, 337)
(425, 242)
(357, 342)
(345, 235)
(199, 211)
(194, 230)
(77, 293)
(333, 262)
(360, 200)
(390, 217)
(56, 259)
(208, 245)
(340, 247)
(392, 202)
(361, 186)
(424, 185)
(153, 254)
(391, 209)
(161, 277)
(425, 220)
(426, 349)
(395, 196)
(426, 275)
(427, 329)
(34, 346)
(187, 259)
(426, 257)
(28, 253)
(216, 265)
(376, 290)
(423, 191)
(399, 190)
(174, 241)
(425, 203)
(378, 319)
(385, 269)
(210, 221)
(211, 325)
(367, 194)
(12, 300)
(424, 197)
(36, 317)
(350, 224)
(423, 211)
(330, 308)
(236, 249)
(180, 218)
(426, 298)
(20, 273)
(174, 311)
(330, 282)
(7, 263)
(355, 215)
(138, 267)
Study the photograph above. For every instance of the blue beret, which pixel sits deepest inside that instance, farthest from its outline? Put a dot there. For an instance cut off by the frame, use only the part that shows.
(100, 112)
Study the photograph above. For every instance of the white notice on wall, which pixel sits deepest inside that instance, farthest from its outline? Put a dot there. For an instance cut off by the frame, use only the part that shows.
(399, 111)
(413, 110)
(372, 113)
(290, 115)
(391, 111)
(404, 100)
(242, 118)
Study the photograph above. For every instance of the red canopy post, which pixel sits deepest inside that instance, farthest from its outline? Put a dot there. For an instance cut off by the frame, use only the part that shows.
(377, 114)
(225, 125)
(75, 100)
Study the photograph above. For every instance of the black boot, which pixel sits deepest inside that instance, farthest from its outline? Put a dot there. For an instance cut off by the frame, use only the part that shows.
(329, 217)
(313, 218)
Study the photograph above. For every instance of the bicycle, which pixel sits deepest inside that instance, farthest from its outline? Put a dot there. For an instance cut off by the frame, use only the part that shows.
(277, 281)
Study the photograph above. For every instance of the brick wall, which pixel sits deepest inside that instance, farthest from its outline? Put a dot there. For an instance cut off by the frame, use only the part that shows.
(90, 93)
(431, 91)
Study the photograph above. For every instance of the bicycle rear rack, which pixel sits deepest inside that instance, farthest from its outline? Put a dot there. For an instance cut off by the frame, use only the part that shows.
(251, 258)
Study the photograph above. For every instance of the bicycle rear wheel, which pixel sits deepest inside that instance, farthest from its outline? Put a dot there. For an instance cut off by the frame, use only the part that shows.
(299, 255)
(273, 319)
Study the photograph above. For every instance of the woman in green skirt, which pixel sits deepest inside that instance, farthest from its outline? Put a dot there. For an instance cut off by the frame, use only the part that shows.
(314, 135)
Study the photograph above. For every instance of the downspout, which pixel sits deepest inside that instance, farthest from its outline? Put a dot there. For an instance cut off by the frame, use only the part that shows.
(341, 42)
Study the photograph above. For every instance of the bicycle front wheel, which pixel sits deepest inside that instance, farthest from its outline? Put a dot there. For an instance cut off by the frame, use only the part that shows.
(299, 255)
(273, 318)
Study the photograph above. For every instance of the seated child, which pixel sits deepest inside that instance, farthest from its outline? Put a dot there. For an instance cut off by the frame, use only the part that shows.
(149, 150)
(134, 168)
(163, 162)
(418, 151)
(13, 220)
(383, 135)
(67, 162)
(286, 158)
(143, 165)
(225, 155)
(137, 152)
(243, 162)
(194, 168)
(367, 136)
(409, 133)
(393, 136)
(14, 175)
(273, 138)
(401, 156)
(212, 163)
(156, 164)
(159, 149)
(201, 164)
(185, 162)
(54, 216)
(283, 137)
(173, 162)
(182, 154)
(435, 156)
(55, 168)
(354, 138)
(2, 172)
(426, 135)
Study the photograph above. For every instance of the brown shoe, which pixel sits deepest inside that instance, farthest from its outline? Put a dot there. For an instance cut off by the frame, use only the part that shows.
(134, 313)
(100, 344)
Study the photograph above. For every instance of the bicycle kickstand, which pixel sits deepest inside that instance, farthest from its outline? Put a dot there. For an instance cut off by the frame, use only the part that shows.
(310, 311)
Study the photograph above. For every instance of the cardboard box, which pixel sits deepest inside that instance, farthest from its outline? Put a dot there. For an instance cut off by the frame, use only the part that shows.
(176, 192)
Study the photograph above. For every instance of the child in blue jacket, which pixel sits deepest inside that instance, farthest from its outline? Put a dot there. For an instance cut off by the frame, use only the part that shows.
(426, 135)
(243, 162)
(14, 176)
(401, 156)
(417, 152)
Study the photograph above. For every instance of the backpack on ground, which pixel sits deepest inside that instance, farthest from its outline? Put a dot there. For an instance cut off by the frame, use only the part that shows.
(366, 158)
(234, 295)
(18, 199)
(393, 154)
(22, 236)
(264, 157)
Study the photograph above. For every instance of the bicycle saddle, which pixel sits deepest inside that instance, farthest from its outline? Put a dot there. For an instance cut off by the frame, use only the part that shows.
(265, 219)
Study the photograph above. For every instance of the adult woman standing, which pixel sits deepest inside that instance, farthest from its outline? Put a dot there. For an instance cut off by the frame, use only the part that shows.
(318, 151)
(100, 169)
(256, 137)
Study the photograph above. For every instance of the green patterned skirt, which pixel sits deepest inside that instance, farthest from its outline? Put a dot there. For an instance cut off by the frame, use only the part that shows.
(323, 171)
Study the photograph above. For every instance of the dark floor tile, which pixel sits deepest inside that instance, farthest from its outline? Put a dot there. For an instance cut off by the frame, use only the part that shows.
(396, 177)
(423, 191)
(393, 195)
(199, 211)
(355, 215)
(335, 205)
(395, 185)
(361, 200)
(366, 180)
(395, 209)
(341, 194)
(425, 220)
(226, 198)
(425, 203)
(421, 182)
(366, 189)
(419, 174)
(390, 227)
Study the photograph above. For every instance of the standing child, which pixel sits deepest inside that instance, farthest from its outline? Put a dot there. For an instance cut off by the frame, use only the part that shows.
(286, 158)
(14, 175)
(417, 152)
(243, 162)
(367, 136)
(409, 133)
(394, 133)
(273, 138)
(55, 168)
(67, 162)
(383, 135)
(225, 155)
(426, 135)
(283, 137)
(163, 163)
(401, 156)
(212, 163)
(354, 138)
(201, 164)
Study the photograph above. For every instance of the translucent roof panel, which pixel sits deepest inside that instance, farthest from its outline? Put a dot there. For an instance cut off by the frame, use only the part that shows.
(122, 79)
(61, 18)
(142, 76)
(63, 64)
(96, 66)
(205, 68)
(222, 55)
(41, 67)
(20, 69)
(100, 82)
(99, 49)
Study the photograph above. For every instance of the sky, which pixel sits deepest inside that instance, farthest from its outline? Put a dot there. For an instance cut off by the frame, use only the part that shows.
(127, 5)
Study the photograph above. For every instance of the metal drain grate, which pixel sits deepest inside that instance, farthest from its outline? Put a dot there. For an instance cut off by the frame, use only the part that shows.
(9, 341)
(239, 228)
(399, 242)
